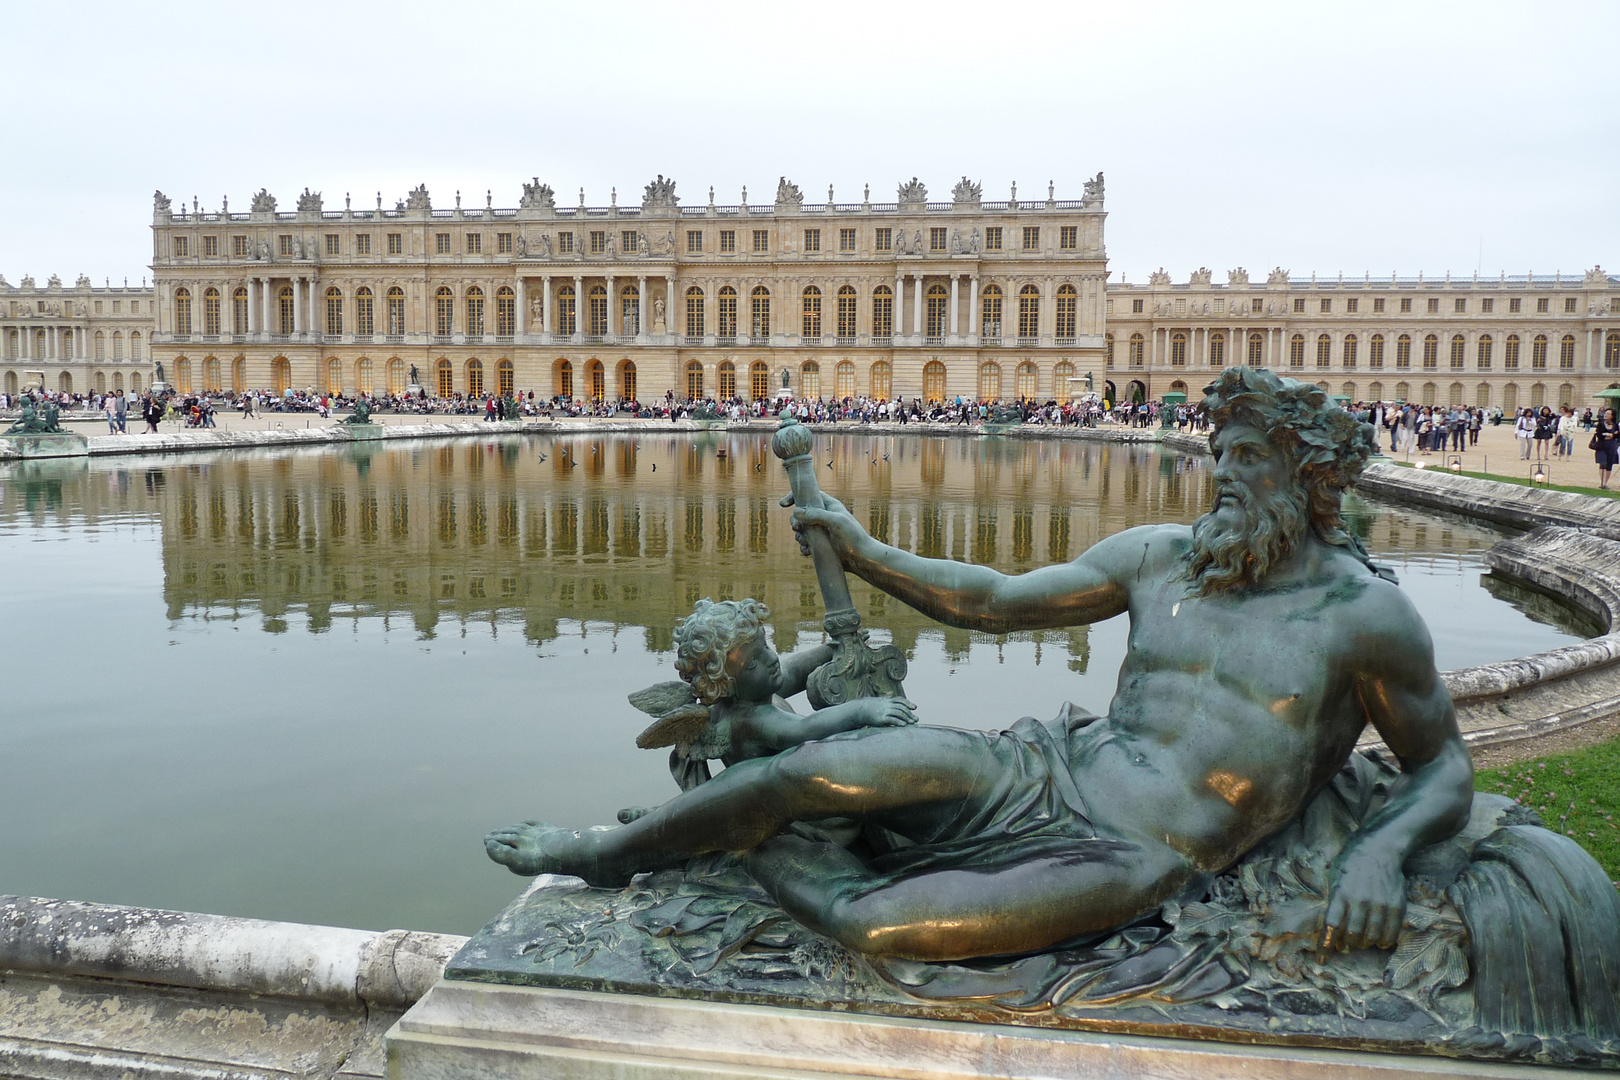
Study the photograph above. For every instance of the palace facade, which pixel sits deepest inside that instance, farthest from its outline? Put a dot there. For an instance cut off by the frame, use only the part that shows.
(75, 338)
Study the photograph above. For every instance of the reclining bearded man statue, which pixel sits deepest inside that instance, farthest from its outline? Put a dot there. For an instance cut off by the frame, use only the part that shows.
(1263, 641)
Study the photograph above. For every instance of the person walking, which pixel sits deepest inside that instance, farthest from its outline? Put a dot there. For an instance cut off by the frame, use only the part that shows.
(1606, 443)
(1524, 429)
(1546, 426)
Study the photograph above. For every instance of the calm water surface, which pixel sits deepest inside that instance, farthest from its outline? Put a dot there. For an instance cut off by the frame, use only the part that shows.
(302, 685)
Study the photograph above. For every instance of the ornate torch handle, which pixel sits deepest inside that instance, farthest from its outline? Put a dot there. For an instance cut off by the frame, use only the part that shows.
(793, 443)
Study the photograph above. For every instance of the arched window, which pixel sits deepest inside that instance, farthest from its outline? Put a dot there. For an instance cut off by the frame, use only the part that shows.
(759, 381)
(1454, 394)
(64, 383)
(505, 312)
(182, 311)
(1178, 349)
(1566, 394)
(726, 313)
(844, 379)
(238, 375)
(211, 312)
(1062, 378)
(567, 314)
(1482, 353)
(630, 311)
(1028, 381)
(727, 377)
(365, 323)
(135, 382)
(505, 383)
(1068, 309)
(1429, 393)
(1296, 352)
(847, 305)
(211, 380)
(1375, 351)
(1178, 387)
(1375, 391)
(1350, 344)
(597, 311)
(362, 375)
(1403, 352)
(1510, 398)
(280, 375)
(445, 378)
(810, 327)
(475, 378)
(563, 382)
(627, 380)
(444, 303)
(101, 345)
(882, 381)
(989, 381)
(475, 312)
(1256, 349)
(1459, 353)
(759, 327)
(334, 376)
(1348, 390)
(1029, 314)
(1482, 395)
(694, 380)
(1217, 350)
(933, 382)
(1108, 351)
(694, 314)
(596, 380)
(1566, 353)
(11, 383)
(135, 345)
(810, 379)
(1136, 351)
(1538, 395)
(334, 312)
(937, 308)
(286, 310)
(1324, 351)
(1538, 353)
(1611, 351)
(396, 311)
(182, 374)
(396, 376)
(990, 312)
(1431, 355)
(883, 312)
(1510, 356)
(239, 312)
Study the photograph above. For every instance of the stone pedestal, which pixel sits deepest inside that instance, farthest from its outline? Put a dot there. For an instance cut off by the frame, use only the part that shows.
(57, 445)
(468, 1030)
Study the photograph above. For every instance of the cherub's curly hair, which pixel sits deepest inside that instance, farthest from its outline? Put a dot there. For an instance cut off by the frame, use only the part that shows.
(705, 640)
(1328, 446)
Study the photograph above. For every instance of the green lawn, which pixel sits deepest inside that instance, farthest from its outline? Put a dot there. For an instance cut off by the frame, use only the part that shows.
(1577, 794)
(1522, 481)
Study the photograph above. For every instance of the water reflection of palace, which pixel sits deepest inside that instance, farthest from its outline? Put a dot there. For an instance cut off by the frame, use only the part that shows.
(622, 530)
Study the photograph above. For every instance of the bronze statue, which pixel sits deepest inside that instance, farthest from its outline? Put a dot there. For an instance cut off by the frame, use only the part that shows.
(361, 414)
(31, 422)
(1263, 641)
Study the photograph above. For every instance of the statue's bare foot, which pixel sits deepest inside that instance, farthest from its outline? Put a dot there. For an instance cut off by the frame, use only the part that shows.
(537, 848)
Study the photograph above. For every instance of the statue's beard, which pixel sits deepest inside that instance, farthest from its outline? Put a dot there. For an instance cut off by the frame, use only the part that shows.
(1228, 556)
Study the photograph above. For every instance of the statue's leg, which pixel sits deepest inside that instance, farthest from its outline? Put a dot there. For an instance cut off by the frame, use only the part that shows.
(910, 780)
(956, 914)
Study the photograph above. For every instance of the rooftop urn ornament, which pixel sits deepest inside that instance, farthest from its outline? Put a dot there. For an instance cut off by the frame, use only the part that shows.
(866, 193)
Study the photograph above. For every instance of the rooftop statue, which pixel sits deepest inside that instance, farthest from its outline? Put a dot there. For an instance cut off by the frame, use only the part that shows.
(966, 191)
(1211, 854)
(418, 199)
(912, 191)
(309, 201)
(787, 193)
(263, 202)
(1093, 193)
(537, 196)
(659, 193)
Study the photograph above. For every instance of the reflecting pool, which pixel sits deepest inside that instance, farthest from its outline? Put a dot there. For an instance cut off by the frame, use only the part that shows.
(302, 685)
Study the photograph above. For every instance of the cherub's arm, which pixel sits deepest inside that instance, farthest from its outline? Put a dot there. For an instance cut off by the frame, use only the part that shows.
(797, 666)
(764, 730)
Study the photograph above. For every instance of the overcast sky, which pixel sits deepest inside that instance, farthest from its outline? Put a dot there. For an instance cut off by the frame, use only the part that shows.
(1346, 137)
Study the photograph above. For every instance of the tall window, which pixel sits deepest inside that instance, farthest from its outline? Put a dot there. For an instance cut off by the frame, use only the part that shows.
(627, 380)
(726, 315)
(1349, 351)
(1324, 351)
(396, 311)
(211, 311)
(285, 305)
(811, 313)
(759, 326)
(1566, 353)
(362, 244)
(882, 312)
(505, 311)
(1483, 353)
(1217, 350)
(239, 311)
(1510, 353)
(364, 322)
(630, 311)
(759, 381)
(1135, 354)
(728, 241)
(1028, 381)
(1459, 352)
(566, 322)
(598, 311)
(1029, 313)
(182, 374)
(1375, 351)
(847, 301)
(882, 380)
(1538, 353)
(396, 376)
(933, 382)
(844, 379)
(396, 243)
(1431, 353)
(762, 241)
(334, 312)
(444, 303)
(812, 241)
(182, 311)
(846, 239)
(728, 380)
(1611, 352)
(694, 381)
(334, 376)
(810, 379)
(1032, 237)
(938, 308)
(1068, 237)
(565, 379)
(1296, 352)
(990, 381)
(990, 312)
(475, 312)
(101, 345)
(596, 380)
(598, 241)
(883, 240)
(1403, 352)
(1178, 349)
(445, 378)
(505, 384)
(135, 345)
(992, 238)
(1256, 347)
(694, 312)
(1068, 306)
(362, 375)
(938, 238)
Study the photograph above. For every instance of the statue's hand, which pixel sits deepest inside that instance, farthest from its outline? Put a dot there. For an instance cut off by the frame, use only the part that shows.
(888, 712)
(840, 525)
(1366, 900)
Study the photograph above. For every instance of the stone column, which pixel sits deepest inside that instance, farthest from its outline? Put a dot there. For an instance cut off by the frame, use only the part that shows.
(973, 308)
(263, 319)
(897, 321)
(916, 308)
(669, 305)
(520, 311)
(612, 302)
(1049, 313)
(641, 307)
(955, 283)
(298, 305)
(546, 322)
(579, 306)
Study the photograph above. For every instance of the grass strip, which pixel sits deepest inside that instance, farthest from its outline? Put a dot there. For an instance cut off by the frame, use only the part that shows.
(1577, 794)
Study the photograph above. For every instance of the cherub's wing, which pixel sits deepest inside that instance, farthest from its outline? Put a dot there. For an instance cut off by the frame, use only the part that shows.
(661, 698)
(679, 727)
